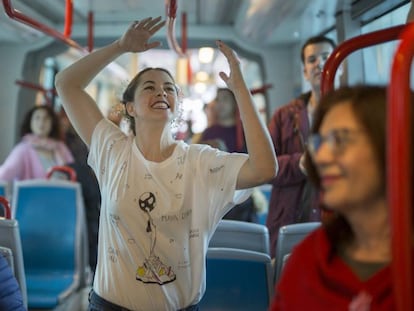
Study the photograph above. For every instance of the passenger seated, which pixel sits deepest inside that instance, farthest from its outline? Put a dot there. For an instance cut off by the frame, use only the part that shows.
(40, 147)
(10, 295)
(345, 264)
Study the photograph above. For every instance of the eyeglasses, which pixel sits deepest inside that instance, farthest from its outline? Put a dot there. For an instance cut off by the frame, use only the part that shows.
(337, 140)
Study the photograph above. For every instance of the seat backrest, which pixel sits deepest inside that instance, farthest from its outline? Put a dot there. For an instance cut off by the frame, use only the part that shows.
(49, 223)
(10, 238)
(68, 172)
(289, 236)
(237, 280)
(241, 235)
(52, 228)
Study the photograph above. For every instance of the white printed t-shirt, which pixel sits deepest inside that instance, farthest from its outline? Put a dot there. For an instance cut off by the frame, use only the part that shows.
(157, 218)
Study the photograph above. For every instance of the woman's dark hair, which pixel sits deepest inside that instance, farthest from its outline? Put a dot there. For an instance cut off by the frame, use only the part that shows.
(55, 130)
(369, 104)
(128, 95)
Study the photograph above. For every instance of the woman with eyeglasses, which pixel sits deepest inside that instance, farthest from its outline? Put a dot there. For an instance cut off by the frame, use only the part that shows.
(345, 264)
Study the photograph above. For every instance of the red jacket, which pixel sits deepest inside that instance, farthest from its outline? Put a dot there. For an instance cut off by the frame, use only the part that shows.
(316, 279)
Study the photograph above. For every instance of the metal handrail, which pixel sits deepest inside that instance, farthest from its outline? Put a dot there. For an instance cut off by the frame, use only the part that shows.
(20, 17)
(67, 170)
(68, 18)
(47, 93)
(399, 170)
(351, 45)
(171, 10)
(6, 206)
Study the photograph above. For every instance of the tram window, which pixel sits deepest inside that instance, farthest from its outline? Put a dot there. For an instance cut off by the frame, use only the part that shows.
(378, 59)
(45, 81)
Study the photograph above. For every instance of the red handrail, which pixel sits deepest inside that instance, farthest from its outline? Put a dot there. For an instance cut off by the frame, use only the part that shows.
(171, 8)
(39, 88)
(20, 17)
(36, 87)
(262, 89)
(64, 169)
(399, 168)
(6, 205)
(90, 31)
(68, 18)
(351, 45)
(184, 32)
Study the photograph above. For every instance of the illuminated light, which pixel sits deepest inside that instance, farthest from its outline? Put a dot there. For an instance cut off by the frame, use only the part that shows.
(296, 34)
(205, 55)
(202, 76)
(200, 87)
(133, 64)
(182, 71)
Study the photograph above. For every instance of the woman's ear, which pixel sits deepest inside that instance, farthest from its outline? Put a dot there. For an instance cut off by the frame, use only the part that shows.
(129, 109)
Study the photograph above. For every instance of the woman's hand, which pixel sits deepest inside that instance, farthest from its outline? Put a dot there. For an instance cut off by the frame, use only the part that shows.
(135, 39)
(234, 78)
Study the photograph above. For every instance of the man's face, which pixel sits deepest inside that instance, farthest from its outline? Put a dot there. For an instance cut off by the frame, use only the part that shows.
(315, 56)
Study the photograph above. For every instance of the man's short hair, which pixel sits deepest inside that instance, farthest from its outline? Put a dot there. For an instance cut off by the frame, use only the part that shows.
(315, 40)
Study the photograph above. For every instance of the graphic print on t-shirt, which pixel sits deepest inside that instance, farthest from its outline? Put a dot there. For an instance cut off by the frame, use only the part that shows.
(152, 270)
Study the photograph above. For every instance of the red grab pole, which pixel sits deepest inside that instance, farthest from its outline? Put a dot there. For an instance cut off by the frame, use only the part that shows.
(399, 168)
(351, 45)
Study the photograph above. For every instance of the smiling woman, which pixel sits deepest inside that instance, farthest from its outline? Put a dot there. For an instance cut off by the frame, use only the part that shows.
(149, 85)
(156, 190)
(347, 164)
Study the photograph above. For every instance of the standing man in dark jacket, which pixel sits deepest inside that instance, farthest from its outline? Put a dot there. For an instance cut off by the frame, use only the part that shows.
(292, 200)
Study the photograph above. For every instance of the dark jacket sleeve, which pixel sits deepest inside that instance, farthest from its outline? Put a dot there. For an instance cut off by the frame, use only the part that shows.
(10, 295)
(287, 128)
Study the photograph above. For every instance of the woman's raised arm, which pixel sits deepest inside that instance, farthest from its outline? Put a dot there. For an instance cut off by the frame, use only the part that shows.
(262, 164)
(71, 82)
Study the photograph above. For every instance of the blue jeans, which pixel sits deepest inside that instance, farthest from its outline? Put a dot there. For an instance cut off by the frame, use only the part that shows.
(97, 303)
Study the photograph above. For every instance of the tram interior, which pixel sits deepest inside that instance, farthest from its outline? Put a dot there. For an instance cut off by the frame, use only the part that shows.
(267, 35)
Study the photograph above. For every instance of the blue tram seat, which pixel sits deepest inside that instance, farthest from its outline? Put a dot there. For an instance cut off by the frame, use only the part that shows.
(3, 187)
(10, 238)
(52, 225)
(266, 190)
(289, 236)
(241, 235)
(237, 280)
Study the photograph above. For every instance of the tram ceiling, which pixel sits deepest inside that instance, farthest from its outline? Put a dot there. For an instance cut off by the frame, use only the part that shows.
(260, 22)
